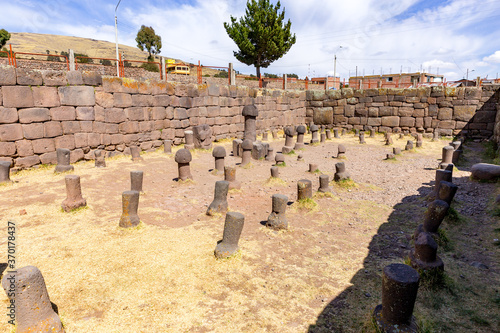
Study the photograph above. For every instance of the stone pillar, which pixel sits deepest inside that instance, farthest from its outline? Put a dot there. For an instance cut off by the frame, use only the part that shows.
(434, 216)
(4, 171)
(189, 140)
(219, 205)
(301, 130)
(447, 191)
(441, 175)
(237, 147)
(388, 139)
(336, 133)
(130, 205)
(324, 184)
(396, 151)
(362, 138)
(289, 133)
(275, 172)
(340, 172)
(33, 309)
(163, 70)
(232, 75)
(399, 292)
(420, 140)
(314, 132)
(219, 153)
(277, 219)
(341, 151)
(71, 60)
(270, 154)
(250, 113)
(328, 134)
(100, 162)
(372, 133)
(409, 145)
(202, 136)
(304, 189)
(232, 232)
(167, 146)
(279, 159)
(183, 157)
(447, 157)
(424, 255)
(63, 159)
(230, 176)
(246, 156)
(74, 197)
(285, 82)
(135, 152)
(136, 178)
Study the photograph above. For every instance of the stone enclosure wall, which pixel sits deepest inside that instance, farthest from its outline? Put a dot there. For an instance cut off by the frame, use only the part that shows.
(469, 111)
(43, 111)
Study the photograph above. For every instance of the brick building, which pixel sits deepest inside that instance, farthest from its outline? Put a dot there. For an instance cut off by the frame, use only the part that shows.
(404, 80)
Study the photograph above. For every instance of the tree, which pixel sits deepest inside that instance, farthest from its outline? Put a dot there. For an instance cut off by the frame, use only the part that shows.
(4, 37)
(149, 40)
(261, 34)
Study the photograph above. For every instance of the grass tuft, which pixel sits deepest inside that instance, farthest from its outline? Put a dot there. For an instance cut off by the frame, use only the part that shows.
(275, 181)
(345, 183)
(76, 210)
(444, 241)
(306, 204)
(454, 217)
(290, 153)
(281, 164)
(320, 195)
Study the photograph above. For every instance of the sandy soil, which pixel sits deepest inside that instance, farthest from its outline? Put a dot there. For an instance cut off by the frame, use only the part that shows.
(163, 277)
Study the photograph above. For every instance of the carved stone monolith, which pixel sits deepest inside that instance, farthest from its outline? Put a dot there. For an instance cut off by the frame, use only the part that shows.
(219, 153)
(277, 219)
(270, 154)
(328, 134)
(130, 206)
(136, 178)
(231, 236)
(409, 145)
(230, 176)
(324, 184)
(167, 146)
(441, 175)
(399, 292)
(341, 151)
(289, 133)
(246, 156)
(63, 160)
(74, 198)
(340, 172)
(100, 162)
(279, 159)
(336, 133)
(202, 135)
(135, 152)
(447, 157)
(189, 140)
(4, 171)
(304, 189)
(424, 255)
(250, 112)
(362, 137)
(275, 172)
(301, 130)
(314, 131)
(219, 205)
(237, 147)
(183, 157)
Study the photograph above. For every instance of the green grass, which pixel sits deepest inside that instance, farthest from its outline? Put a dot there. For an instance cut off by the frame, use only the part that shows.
(281, 164)
(345, 183)
(490, 154)
(307, 204)
(76, 210)
(444, 241)
(454, 217)
(290, 153)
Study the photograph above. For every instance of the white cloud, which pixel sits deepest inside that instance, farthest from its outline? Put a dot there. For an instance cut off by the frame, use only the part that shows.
(383, 35)
(495, 58)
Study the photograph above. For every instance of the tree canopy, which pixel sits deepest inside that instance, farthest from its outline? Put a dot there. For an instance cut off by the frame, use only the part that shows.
(148, 40)
(4, 37)
(261, 35)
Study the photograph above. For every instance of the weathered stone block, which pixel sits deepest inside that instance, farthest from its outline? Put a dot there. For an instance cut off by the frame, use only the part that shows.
(65, 141)
(28, 77)
(70, 127)
(63, 113)
(445, 113)
(447, 124)
(463, 112)
(45, 96)
(74, 78)
(77, 96)
(114, 115)
(85, 113)
(54, 78)
(161, 100)
(17, 97)
(374, 121)
(323, 116)
(52, 129)
(135, 113)
(122, 100)
(8, 115)
(142, 100)
(129, 127)
(33, 131)
(92, 78)
(7, 148)
(42, 146)
(7, 76)
(94, 140)
(104, 99)
(33, 115)
(354, 121)
(390, 121)
(24, 148)
(407, 122)
(27, 162)
(485, 117)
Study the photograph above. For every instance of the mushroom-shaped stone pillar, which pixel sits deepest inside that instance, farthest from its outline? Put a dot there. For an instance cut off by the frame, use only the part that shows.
(219, 153)
(341, 151)
(301, 130)
(33, 309)
(183, 157)
(250, 112)
(314, 130)
(63, 159)
(324, 184)
(289, 133)
(246, 157)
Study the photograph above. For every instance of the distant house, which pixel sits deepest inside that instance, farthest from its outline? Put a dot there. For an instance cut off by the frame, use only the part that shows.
(403, 80)
(329, 82)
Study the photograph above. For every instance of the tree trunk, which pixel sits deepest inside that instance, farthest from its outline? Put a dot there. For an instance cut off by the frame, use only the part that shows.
(258, 72)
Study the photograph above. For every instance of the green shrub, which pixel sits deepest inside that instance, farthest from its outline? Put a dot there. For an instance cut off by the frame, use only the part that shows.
(151, 67)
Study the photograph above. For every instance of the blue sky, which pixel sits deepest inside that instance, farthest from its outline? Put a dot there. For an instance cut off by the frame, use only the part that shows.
(377, 36)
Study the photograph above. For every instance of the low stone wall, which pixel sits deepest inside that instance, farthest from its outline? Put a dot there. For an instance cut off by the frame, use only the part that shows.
(470, 111)
(42, 111)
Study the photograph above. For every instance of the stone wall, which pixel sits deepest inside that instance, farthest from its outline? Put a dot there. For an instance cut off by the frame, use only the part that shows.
(470, 111)
(42, 111)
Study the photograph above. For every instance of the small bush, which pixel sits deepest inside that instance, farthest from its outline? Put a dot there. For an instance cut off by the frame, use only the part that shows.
(151, 67)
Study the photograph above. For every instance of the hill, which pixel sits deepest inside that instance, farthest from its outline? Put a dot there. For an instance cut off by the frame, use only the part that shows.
(40, 43)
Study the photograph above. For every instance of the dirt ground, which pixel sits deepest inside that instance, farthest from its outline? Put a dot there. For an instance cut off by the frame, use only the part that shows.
(322, 275)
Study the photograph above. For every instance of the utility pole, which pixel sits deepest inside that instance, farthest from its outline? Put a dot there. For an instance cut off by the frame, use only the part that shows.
(116, 36)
